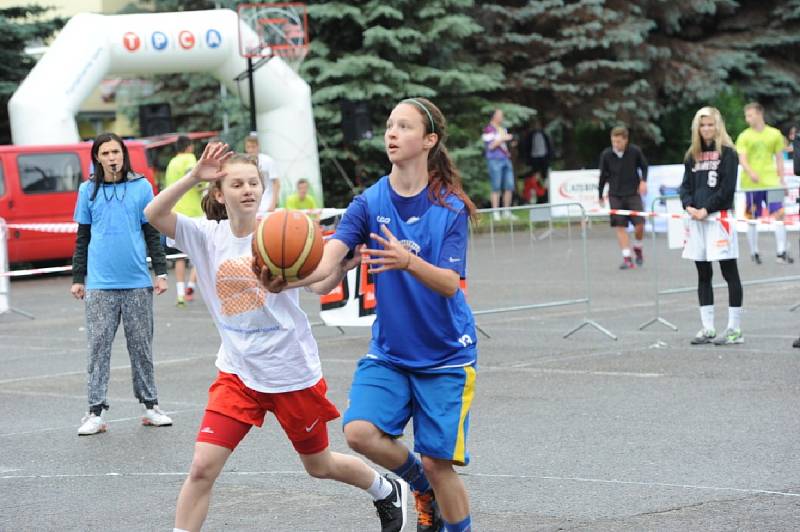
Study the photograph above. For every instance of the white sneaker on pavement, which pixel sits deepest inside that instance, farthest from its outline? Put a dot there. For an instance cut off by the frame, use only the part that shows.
(92, 424)
(154, 417)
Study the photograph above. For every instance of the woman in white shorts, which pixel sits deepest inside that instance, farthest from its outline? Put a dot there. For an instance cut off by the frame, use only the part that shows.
(709, 182)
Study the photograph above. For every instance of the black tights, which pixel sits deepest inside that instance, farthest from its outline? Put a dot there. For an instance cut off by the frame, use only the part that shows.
(705, 291)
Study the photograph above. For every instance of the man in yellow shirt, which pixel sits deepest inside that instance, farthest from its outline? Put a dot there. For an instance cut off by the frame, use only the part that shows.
(760, 148)
(301, 199)
(188, 205)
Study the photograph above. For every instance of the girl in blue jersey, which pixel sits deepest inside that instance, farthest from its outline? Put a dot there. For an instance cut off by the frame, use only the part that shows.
(422, 358)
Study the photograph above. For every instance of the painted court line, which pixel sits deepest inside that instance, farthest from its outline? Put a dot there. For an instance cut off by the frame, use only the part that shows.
(635, 483)
(755, 491)
(518, 369)
(28, 393)
(74, 427)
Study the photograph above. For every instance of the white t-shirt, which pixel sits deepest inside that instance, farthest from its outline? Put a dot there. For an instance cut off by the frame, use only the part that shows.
(269, 172)
(266, 338)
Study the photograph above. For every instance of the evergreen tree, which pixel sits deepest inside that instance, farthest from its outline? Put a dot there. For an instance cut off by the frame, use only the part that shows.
(19, 27)
(379, 53)
(587, 64)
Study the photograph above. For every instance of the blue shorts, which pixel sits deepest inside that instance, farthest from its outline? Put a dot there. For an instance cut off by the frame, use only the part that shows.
(501, 174)
(438, 400)
(757, 200)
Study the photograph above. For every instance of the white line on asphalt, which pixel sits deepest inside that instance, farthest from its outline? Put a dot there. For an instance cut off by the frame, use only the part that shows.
(118, 420)
(28, 393)
(479, 475)
(635, 483)
(517, 369)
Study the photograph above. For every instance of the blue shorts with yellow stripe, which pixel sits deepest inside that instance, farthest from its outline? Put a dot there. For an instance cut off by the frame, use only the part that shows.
(437, 399)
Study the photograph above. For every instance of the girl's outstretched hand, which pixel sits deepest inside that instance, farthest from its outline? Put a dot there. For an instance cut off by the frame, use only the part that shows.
(209, 167)
(275, 284)
(393, 256)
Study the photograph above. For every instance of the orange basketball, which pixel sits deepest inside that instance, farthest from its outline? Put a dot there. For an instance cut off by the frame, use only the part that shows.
(289, 243)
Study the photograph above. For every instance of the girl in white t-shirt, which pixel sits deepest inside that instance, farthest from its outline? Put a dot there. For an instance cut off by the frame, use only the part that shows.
(268, 360)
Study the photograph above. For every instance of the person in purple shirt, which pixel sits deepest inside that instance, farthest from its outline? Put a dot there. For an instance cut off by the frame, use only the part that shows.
(498, 159)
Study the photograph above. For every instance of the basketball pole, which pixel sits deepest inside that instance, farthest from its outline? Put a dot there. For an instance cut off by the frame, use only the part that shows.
(251, 84)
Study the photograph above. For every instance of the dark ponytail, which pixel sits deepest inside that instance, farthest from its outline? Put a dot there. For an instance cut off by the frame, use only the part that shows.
(443, 176)
(213, 209)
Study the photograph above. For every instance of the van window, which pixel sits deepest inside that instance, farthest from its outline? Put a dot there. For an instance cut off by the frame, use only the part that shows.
(41, 173)
(2, 179)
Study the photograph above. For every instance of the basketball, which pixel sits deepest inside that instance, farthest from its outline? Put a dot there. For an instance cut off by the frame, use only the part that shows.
(289, 243)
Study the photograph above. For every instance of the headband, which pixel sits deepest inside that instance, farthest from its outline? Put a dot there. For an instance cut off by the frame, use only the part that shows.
(422, 106)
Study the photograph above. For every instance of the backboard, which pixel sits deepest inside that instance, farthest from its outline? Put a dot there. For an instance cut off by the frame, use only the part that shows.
(274, 29)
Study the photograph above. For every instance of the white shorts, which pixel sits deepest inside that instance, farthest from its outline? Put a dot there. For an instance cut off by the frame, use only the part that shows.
(711, 240)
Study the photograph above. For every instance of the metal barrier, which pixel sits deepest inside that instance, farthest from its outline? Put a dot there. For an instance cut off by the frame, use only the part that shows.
(541, 214)
(656, 265)
(5, 282)
(682, 290)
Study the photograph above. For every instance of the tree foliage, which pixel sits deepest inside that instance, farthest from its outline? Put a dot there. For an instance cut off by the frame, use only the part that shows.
(590, 64)
(380, 53)
(19, 27)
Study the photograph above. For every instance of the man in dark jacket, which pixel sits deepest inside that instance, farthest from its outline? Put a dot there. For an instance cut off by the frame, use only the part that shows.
(624, 168)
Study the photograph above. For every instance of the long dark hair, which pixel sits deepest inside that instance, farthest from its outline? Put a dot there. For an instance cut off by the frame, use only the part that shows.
(443, 176)
(100, 174)
(213, 209)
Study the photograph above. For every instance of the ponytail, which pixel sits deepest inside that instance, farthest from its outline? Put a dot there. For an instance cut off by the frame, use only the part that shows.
(213, 209)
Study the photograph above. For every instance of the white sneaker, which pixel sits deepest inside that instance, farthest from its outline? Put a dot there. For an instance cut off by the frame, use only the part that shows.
(496, 216)
(92, 424)
(508, 215)
(155, 417)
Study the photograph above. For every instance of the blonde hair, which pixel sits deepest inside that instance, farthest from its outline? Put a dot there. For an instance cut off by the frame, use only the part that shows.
(213, 209)
(721, 138)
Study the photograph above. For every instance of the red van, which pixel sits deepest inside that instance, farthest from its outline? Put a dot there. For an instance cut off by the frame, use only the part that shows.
(39, 184)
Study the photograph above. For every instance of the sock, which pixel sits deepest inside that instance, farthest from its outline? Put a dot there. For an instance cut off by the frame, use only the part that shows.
(637, 244)
(180, 287)
(412, 473)
(626, 253)
(734, 315)
(707, 317)
(465, 525)
(179, 530)
(780, 238)
(752, 238)
(380, 489)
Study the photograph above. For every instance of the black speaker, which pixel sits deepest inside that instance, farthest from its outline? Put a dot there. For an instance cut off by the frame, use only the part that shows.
(356, 124)
(155, 119)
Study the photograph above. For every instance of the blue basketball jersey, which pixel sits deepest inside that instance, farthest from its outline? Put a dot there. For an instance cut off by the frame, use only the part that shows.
(415, 326)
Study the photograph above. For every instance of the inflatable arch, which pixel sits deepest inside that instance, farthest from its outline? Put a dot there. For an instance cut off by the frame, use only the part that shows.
(91, 47)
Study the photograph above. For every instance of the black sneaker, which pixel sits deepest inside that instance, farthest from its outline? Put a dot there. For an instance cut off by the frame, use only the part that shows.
(392, 509)
(756, 258)
(796, 343)
(784, 258)
(639, 256)
(429, 518)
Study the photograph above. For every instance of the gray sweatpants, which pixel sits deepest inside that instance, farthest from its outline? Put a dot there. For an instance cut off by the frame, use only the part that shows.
(104, 308)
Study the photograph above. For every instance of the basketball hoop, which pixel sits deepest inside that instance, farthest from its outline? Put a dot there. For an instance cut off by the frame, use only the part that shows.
(278, 29)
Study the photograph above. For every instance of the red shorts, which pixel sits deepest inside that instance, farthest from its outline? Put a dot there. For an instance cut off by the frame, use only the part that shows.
(233, 408)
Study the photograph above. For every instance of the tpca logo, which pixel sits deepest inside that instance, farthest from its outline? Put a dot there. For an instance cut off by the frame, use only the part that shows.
(160, 41)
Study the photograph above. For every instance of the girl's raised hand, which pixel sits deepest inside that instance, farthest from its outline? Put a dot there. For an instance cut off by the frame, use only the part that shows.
(393, 256)
(209, 167)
